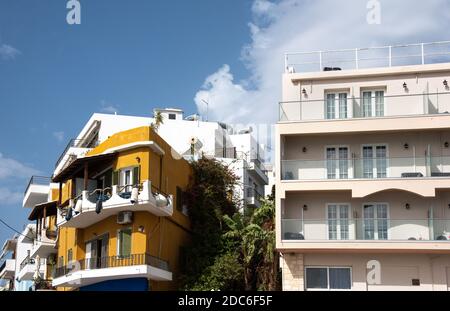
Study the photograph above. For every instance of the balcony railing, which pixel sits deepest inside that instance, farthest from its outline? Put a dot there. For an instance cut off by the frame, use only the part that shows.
(366, 229)
(341, 108)
(38, 180)
(112, 262)
(30, 261)
(77, 143)
(359, 58)
(366, 168)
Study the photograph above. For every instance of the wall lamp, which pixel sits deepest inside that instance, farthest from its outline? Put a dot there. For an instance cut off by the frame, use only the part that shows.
(406, 146)
(407, 206)
(405, 86)
(304, 91)
(304, 149)
(305, 207)
(446, 144)
(445, 84)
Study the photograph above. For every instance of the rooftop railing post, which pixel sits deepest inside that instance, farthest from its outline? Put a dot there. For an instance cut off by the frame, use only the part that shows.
(320, 60)
(286, 63)
(423, 53)
(356, 58)
(390, 56)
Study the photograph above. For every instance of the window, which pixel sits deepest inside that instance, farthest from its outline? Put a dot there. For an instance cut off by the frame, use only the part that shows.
(129, 177)
(172, 116)
(336, 106)
(328, 278)
(375, 221)
(373, 103)
(338, 221)
(337, 162)
(375, 161)
(181, 204)
(124, 242)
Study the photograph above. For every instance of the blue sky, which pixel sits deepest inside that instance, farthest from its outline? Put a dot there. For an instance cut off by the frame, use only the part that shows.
(130, 56)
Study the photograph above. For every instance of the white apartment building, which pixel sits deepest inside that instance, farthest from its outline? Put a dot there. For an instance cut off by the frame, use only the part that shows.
(19, 268)
(363, 169)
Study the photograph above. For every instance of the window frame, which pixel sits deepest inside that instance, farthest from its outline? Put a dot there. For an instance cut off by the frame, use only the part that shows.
(328, 278)
(337, 160)
(349, 219)
(388, 220)
(337, 108)
(118, 250)
(373, 102)
(374, 160)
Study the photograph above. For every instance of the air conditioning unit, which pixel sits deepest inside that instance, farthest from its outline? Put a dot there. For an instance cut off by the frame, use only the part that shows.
(124, 218)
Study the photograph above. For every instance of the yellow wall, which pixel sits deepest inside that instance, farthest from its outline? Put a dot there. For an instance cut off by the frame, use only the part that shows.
(161, 236)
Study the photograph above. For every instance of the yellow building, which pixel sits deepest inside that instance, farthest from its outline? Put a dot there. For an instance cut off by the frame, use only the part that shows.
(121, 219)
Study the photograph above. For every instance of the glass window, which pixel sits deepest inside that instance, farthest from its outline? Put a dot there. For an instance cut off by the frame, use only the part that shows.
(124, 242)
(343, 106)
(340, 278)
(316, 278)
(328, 278)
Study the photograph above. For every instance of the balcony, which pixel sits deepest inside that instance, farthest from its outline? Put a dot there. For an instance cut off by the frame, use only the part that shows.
(7, 269)
(94, 270)
(253, 197)
(83, 212)
(370, 234)
(28, 268)
(366, 168)
(36, 191)
(44, 244)
(256, 169)
(367, 107)
(74, 148)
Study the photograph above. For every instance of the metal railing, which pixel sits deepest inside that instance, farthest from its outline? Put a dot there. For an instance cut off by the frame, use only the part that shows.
(112, 262)
(365, 107)
(366, 168)
(372, 57)
(366, 229)
(30, 261)
(227, 153)
(38, 180)
(77, 143)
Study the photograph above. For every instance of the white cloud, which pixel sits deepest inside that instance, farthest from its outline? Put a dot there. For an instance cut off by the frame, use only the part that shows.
(108, 108)
(296, 25)
(10, 197)
(10, 168)
(7, 52)
(59, 135)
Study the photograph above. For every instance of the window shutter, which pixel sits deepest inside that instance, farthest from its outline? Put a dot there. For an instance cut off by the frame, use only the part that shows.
(115, 178)
(125, 242)
(136, 177)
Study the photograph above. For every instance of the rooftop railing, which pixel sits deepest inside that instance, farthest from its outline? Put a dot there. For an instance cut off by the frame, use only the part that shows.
(341, 108)
(76, 143)
(365, 229)
(371, 57)
(112, 262)
(366, 168)
(38, 180)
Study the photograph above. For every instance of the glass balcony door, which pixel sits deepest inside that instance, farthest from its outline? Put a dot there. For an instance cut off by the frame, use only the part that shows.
(373, 104)
(338, 221)
(375, 225)
(337, 162)
(374, 161)
(336, 106)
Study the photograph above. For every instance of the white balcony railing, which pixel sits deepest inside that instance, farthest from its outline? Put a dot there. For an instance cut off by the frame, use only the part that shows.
(366, 168)
(83, 212)
(372, 57)
(366, 230)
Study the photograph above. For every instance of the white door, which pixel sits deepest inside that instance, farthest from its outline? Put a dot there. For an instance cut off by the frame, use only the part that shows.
(375, 161)
(373, 104)
(337, 162)
(338, 221)
(336, 106)
(375, 226)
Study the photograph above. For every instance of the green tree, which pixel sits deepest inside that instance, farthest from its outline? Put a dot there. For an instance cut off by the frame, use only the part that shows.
(159, 119)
